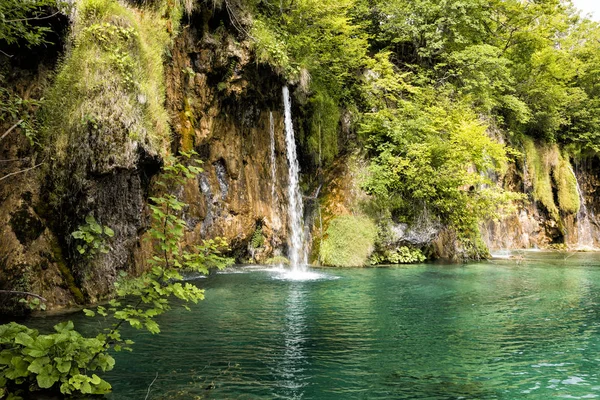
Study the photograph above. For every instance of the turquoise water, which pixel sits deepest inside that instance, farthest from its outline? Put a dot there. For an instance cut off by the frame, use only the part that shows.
(507, 329)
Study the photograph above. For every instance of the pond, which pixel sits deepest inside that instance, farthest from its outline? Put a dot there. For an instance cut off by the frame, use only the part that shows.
(527, 327)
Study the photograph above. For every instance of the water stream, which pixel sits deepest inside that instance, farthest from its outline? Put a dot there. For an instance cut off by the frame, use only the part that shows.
(297, 248)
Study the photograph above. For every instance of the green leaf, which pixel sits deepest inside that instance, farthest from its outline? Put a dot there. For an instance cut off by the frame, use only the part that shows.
(64, 366)
(37, 366)
(64, 326)
(96, 380)
(109, 232)
(24, 339)
(88, 313)
(46, 381)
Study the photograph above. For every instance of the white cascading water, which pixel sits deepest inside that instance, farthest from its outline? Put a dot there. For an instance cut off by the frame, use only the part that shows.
(273, 160)
(297, 248)
(585, 240)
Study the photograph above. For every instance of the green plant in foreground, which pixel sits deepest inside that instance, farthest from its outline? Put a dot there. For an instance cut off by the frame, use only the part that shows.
(65, 361)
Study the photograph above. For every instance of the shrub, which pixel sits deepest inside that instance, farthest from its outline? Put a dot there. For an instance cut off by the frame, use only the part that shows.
(349, 240)
(401, 255)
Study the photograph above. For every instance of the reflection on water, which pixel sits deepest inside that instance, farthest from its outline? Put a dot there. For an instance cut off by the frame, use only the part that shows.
(506, 329)
(289, 370)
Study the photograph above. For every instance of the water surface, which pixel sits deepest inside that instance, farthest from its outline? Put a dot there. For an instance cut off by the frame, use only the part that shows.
(506, 329)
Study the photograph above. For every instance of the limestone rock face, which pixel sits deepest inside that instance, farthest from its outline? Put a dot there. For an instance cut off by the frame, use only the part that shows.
(531, 226)
(31, 259)
(222, 106)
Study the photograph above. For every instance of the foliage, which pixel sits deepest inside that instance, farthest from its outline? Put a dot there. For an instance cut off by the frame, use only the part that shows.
(62, 359)
(430, 153)
(33, 303)
(400, 255)
(348, 241)
(92, 237)
(170, 259)
(258, 239)
(17, 21)
(16, 110)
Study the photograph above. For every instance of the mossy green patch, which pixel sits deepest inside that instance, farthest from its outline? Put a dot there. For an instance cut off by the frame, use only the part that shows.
(278, 260)
(566, 183)
(66, 272)
(111, 84)
(348, 241)
(538, 168)
(550, 171)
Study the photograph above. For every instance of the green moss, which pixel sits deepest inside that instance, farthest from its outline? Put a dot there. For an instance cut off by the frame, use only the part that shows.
(26, 226)
(348, 241)
(548, 169)
(111, 83)
(278, 260)
(322, 137)
(566, 184)
(539, 169)
(66, 272)
(187, 130)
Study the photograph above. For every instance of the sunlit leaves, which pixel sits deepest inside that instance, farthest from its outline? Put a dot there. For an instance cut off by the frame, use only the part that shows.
(62, 358)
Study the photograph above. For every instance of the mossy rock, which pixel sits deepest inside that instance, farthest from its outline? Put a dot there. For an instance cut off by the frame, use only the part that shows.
(26, 225)
(566, 184)
(349, 241)
(278, 260)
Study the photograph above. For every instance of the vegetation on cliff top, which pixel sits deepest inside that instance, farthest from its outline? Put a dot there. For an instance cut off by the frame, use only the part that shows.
(111, 83)
(436, 79)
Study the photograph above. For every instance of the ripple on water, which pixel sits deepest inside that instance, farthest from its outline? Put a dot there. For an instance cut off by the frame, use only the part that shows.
(479, 331)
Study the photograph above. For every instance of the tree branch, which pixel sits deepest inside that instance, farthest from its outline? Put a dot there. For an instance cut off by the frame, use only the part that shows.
(7, 55)
(10, 129)
(24, 294)
(32, 18)
(13, 159)
(148, 394)
(19, 172)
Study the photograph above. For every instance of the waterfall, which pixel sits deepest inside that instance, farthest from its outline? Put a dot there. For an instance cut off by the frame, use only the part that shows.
(297, 250)
(273, 160)
(585, 239)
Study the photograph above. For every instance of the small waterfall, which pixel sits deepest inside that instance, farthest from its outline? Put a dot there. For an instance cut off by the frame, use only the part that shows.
(273, 160)
(297, 249)
(585, 240)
